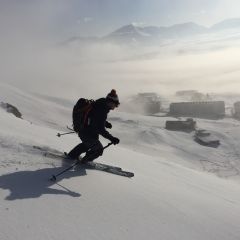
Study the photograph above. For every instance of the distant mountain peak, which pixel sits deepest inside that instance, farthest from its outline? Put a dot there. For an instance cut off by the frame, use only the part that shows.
(125, 29)
(129, 32)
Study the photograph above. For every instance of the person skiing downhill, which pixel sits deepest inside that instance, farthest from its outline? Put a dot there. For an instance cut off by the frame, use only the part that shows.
(96, 125)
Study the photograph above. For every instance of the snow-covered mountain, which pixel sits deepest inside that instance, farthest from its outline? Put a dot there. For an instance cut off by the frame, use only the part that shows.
(142, 34)
(179, 29)
(152, 34)
(129, 34)
(183, 30)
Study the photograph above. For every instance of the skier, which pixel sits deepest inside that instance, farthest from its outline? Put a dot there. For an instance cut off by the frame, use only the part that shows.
(96, 125)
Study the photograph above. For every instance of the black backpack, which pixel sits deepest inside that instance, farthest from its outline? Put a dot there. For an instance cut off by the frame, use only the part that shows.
(80, 114)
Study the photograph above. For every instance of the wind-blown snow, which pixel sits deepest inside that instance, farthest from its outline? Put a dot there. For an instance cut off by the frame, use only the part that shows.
(171, 197)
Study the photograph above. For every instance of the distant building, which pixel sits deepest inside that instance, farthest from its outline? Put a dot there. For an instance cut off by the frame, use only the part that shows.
(143, 103)
(193, 96)
(150, 102)
(211, 109)
(236, 112)
(187, 126)
(185, 93)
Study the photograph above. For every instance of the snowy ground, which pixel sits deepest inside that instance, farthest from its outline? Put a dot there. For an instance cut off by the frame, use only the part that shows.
(181, 190)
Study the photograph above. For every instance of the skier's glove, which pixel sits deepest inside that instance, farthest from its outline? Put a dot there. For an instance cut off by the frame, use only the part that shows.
(108, 125)
(115, 140)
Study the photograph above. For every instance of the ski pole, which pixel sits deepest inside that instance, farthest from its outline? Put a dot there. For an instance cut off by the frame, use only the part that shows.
(54, 177)
(69, 128)
(60, 134)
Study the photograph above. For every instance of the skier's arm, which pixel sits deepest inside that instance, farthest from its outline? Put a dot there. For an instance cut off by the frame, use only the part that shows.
(108, 124)
(102, 130)
(107, 135)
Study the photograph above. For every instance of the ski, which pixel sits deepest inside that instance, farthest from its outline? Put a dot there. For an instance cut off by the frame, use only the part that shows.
(102, 165)
(54, 155)
(109, 169)
(49, 153)
(91, 165)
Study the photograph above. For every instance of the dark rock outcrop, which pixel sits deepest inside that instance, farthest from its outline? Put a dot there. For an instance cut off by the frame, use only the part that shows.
(11, 109)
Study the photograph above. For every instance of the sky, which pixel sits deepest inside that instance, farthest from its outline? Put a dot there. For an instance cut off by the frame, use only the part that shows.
(64, 18)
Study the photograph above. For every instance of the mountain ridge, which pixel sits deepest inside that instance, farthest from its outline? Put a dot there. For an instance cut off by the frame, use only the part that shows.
(133, 33)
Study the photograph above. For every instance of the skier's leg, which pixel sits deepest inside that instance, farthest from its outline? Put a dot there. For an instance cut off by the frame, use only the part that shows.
(77, 151)
(96, 150)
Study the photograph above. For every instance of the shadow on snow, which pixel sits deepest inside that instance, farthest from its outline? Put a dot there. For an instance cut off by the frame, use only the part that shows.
(33, 184)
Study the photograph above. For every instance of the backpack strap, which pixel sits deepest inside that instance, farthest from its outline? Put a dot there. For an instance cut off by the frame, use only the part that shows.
(86, 112)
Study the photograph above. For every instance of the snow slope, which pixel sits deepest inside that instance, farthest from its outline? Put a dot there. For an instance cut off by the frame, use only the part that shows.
(39, 109)
(170, 197)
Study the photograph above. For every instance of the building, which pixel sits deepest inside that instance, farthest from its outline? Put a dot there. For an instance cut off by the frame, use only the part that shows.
(236, 111)
(144, 103)
(211, 109)
(187, 126)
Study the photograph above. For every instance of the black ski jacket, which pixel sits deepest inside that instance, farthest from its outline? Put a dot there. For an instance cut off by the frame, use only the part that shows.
(97, 119)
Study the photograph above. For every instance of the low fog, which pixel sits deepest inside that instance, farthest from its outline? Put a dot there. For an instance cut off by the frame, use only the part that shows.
(36, 60)
(67, 71)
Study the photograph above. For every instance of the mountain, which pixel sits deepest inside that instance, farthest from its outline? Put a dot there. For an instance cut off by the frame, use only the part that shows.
(130, 32)
(151, 34)
(185, 29)
(226, 24)
(153, 31)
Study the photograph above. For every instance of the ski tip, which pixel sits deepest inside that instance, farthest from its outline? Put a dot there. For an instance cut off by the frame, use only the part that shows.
(53, 178)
